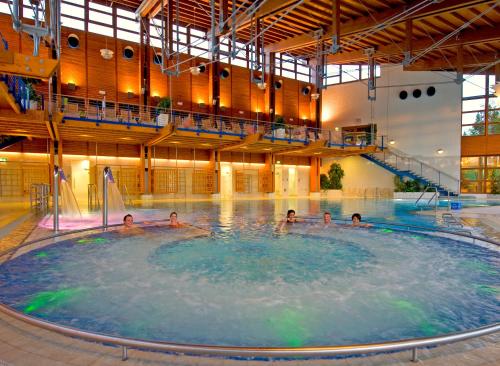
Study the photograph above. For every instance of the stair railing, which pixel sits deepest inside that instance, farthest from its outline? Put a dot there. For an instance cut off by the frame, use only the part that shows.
(406, 163)
(18, 89)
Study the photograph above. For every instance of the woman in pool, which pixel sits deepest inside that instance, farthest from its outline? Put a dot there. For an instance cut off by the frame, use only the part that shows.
(290, 219)
(174, 222)
(356, 221)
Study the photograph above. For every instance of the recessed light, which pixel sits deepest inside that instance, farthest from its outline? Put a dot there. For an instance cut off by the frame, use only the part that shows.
(440, 151)
(392, 142)
(84, 135)
(317, 153)
(20, 131)
(175, 142)
(125, 138)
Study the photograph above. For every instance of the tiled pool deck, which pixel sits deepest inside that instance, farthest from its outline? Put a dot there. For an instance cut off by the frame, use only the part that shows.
(22, 344)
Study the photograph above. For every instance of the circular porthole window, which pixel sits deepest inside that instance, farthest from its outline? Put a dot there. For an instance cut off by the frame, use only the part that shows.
(403, 94)
(431, 91)
(278, 84)
(306, 90)
(128, 52)
(417, 93)
(73, 41)
(224, 74)
(157, 59)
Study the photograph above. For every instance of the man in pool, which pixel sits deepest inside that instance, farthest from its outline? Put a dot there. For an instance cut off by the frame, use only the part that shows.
(327, 219)
(356, 221)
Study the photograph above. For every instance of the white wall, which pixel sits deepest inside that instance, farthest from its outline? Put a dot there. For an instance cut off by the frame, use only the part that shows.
(419, 126)
(360, 173)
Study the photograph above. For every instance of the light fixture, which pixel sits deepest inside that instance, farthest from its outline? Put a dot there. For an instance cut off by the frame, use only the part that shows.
(180, 102)
(106, 53)
(262, 86)
(315, 96)
(440, 151)
(71, 86)
(130, 95)
(241, 112)
(278, 162)
(102, 92)
(337, 129)
(201, 105)
(392, 142)
(214, 101)
(197, 70)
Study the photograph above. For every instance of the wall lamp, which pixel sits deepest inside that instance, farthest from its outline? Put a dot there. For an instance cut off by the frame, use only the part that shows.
(440, 151)
(201, 105)
(130, 95)
(71, 86)
(392, 142)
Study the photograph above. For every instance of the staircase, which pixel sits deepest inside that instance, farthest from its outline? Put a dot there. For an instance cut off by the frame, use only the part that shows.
(403, 165)
(6, 141)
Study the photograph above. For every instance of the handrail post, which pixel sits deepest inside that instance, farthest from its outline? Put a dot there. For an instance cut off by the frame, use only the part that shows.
(55, 199)
(105, 178)
(414, 355)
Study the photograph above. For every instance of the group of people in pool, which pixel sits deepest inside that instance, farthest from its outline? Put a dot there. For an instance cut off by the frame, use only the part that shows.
(327, 219)
(128, 220)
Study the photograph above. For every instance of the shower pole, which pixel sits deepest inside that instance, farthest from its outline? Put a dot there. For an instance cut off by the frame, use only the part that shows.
(55, 199)
(105, 178)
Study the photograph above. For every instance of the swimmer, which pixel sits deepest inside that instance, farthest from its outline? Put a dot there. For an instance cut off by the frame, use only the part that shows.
(290, 219)
(356, 221)
(128, 221)
(327, 219)
(174, 222)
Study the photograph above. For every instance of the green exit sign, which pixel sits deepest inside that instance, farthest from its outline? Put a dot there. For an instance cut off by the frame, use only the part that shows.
(3, 160)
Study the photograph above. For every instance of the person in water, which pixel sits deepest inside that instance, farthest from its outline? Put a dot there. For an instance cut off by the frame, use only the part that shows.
(128, 221)
(174, 222)
(290, 219)
(327, 219)
(356, 221)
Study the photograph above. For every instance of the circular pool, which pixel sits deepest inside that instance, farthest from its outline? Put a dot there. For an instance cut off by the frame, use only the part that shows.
(249, 286)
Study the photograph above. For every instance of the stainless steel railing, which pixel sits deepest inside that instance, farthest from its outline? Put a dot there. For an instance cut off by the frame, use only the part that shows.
(210, 350)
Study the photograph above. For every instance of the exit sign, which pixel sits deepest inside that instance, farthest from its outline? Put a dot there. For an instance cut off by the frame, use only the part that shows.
(3, 160)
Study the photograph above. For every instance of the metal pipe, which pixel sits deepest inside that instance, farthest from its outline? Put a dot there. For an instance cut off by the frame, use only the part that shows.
(55, 199)
(199, 349)
(105, 179)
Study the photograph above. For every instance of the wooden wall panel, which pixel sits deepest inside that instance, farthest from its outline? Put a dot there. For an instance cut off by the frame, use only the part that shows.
(290, 100)
(128, 76)
(278, 101)
(240, 92)
(73, 64)
(304, 103)
(107, 149)
(225, 91)
(481, 145)
(30, 146)
(101, 72)
(10, 35)
(128, 150)
(257, 101)
(181, 90)
(77, 148)
(158, 80)
(200, 89)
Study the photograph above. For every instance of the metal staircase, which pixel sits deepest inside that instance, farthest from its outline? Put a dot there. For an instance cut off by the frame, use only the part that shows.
(404, 165)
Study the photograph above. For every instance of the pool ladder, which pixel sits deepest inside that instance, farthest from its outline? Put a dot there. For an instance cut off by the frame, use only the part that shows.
(435, 197)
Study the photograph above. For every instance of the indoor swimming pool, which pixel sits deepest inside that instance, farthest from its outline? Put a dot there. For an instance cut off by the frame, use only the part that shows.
(233, 280)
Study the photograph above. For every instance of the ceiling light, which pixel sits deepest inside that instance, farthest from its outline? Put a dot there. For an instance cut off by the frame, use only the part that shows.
(392, 142)
(315, 96)
(440, 151)
(262, 86)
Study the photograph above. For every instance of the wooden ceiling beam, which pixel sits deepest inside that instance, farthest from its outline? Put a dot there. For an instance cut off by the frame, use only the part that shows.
(364, 23)
(467, 37)
(268, 8)
(461, 62)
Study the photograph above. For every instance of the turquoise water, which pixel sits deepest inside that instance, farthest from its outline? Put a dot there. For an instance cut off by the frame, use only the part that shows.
(248, 285)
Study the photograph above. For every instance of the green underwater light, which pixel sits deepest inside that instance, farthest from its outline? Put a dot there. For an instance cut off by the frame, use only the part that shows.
(417, 314)
(487, 290)
(92, 241)
(51, 298)
(41, 255)
(386, 231)
(290, 327)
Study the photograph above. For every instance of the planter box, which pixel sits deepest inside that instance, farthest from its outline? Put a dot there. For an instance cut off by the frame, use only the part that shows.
(333, 193)
(33, 105)
(279, 133)
(163, 119)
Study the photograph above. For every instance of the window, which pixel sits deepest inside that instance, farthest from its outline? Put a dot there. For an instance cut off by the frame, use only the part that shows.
(480, 111)
(337, 74)
(480, 174)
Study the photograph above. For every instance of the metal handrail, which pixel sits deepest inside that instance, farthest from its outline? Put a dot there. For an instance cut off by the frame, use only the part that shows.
(433, 197)
(411, 162)
(315, 351)
(113, 112)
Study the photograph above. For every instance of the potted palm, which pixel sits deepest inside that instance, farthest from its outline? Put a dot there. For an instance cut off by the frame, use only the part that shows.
(162, 110)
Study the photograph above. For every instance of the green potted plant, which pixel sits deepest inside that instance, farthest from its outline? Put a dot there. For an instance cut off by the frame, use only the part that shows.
(335, 175)
(162, 110)
(495, 182)
(33, 96)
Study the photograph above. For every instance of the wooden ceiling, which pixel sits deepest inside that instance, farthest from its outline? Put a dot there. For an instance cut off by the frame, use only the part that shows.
(362, 24)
